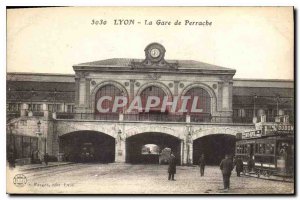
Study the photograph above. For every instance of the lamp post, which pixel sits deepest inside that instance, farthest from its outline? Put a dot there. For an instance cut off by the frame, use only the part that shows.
(32, 94)
(254, 97)
(39, 134)
(277, 104)
(54, 101)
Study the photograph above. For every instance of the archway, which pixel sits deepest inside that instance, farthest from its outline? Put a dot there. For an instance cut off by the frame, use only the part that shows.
(87, 146)
(214, 147)
(136, 145)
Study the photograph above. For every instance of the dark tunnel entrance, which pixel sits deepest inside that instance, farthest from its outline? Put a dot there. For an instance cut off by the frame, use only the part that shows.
(214, 147)
(152, 148)
(88, 146)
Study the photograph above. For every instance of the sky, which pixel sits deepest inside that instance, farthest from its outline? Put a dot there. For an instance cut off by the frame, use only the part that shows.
(257, 42)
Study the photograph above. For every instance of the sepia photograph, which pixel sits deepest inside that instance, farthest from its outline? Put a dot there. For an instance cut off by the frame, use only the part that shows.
(150, 100)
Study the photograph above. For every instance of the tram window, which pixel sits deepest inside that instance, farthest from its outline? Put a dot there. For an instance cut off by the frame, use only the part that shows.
(272, 148)
(247, 148)
(269, 148)
(261, 148)
(256, 148)
(239, 149)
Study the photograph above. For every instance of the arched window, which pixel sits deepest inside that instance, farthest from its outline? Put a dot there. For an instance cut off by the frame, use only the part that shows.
(204, 100)
(111, 91)
(152, 91)
(203, 105)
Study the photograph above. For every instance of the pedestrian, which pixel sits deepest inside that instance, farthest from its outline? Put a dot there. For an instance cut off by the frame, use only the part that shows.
(172, 167)
(239, 166)
(250, 164)
(46, 158)
(226, 166)
(202, 164)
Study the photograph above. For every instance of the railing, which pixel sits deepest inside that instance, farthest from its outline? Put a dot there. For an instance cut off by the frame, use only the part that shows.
(157, 117)
(207, 117)
(154, 117)
(88, 116)
(247, 120)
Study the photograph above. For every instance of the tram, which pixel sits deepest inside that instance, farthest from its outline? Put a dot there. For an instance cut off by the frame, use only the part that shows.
(267, 152)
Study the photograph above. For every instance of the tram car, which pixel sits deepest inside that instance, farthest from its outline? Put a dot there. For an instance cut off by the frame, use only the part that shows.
(267, 152)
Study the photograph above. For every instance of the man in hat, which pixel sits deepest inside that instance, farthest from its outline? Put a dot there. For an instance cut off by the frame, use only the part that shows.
(226, 166)
(202, 164)
(239, 166)
(172, 167)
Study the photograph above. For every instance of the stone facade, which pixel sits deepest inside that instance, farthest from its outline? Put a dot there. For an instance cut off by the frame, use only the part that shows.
(132, 77)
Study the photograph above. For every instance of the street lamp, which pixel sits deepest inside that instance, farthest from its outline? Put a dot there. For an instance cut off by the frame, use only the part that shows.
(277, 104)
(54, 101)
(39, 133)
(254, 97)
(32, 94)
(39, 128)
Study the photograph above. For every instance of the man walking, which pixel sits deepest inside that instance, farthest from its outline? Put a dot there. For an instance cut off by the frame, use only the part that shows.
(202, 164)
(172, 167)
(226, 166)
(239, 166)
(46, 158)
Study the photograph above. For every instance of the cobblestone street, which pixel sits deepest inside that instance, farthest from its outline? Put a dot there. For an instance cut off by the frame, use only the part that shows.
(141, 179)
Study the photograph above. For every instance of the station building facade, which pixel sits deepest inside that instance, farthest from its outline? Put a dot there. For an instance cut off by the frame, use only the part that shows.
(59, 114)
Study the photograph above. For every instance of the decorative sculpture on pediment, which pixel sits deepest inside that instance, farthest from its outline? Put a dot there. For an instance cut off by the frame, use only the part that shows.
(154, 58)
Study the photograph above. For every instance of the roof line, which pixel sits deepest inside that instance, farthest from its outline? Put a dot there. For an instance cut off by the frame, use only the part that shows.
(37, 73)
(261, 79)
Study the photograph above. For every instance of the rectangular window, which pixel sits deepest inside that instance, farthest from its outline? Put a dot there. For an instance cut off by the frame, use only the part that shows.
(235, 113)
(69, 108)
(39, 107)
(59, 108)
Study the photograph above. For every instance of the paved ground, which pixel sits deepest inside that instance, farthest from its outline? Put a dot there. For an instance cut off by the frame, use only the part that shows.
(141, 179)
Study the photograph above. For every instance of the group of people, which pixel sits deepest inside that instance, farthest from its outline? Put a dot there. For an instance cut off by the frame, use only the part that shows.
(226, 166)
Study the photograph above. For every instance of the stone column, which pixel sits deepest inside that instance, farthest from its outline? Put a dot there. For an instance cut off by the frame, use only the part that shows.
(225, 96)
(131, 91)
(82, 92)
(120, 149)
(181, 152)
(77, 91)
(87, 92)
(191, 153)
(188, 146)
(176, 88)
(184, 152)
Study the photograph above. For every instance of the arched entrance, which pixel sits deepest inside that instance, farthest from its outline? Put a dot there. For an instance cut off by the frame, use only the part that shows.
(214, 147)
(87, 146)
(152, 148)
